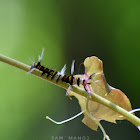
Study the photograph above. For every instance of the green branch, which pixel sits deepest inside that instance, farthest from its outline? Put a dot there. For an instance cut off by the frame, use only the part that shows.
(132, 118)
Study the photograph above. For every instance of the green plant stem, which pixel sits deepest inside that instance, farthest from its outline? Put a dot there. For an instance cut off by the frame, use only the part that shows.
(97, 121)
(132, 118)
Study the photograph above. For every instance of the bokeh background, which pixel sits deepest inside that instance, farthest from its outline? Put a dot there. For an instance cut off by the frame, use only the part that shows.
(68, 30)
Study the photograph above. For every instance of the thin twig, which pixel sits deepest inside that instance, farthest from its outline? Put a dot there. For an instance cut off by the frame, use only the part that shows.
(94, 97)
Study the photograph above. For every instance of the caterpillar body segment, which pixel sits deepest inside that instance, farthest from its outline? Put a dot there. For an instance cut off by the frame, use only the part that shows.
(71, 80)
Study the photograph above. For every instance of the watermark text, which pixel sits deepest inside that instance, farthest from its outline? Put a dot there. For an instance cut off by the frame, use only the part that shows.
(70, 138)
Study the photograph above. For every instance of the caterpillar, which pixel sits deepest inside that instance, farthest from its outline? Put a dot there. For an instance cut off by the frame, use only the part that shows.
(71, 80)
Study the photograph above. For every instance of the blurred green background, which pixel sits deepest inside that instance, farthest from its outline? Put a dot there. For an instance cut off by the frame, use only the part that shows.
(67, 30)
